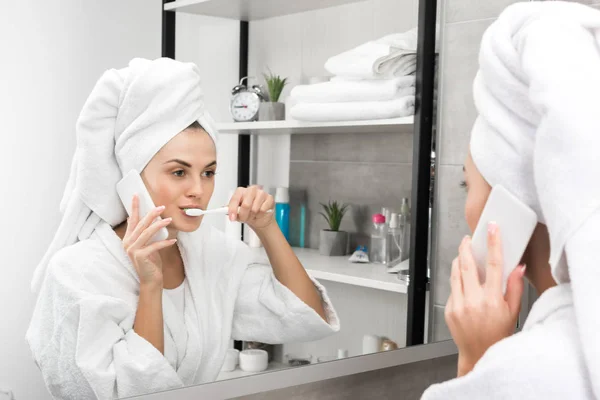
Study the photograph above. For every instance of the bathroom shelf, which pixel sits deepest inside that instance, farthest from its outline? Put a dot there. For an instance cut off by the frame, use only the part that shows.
(238, 373)
(339, 269)
(251, 10)
(292, 127)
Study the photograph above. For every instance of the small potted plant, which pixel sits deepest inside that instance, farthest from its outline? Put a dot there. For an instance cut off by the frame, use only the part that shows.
(333, 242)
(273, 110)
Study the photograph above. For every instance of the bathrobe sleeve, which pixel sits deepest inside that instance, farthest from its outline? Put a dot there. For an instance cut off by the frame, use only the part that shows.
(541, 364)
(85, 345)
(267, 311)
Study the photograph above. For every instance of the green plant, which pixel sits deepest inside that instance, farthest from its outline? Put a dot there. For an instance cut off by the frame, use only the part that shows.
(334, 213)
(275, 85)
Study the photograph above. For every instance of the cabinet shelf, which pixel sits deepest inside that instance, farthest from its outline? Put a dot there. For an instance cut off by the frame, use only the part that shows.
(251, 10)
(291, 127)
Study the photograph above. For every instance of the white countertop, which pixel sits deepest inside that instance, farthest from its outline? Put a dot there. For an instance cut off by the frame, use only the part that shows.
(339, 269)
(238, 373)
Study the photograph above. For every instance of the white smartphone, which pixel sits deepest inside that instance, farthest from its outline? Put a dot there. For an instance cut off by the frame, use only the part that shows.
(516, 222)
(131, 184)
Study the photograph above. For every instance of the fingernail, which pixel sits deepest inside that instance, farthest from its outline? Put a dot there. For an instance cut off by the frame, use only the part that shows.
(492, 228)
(232, 217)
(169, 219)
(523, 267)
(161, 208)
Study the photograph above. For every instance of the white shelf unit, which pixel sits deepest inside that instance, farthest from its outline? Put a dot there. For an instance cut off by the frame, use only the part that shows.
(339, 269)
(292, 127)
(251, 10)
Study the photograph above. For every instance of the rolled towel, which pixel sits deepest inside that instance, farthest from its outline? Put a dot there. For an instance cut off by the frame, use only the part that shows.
(354, 111)
(390, 56)
(341, 91)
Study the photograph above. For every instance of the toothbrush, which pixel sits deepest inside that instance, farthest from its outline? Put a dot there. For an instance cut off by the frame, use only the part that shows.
(196, 212)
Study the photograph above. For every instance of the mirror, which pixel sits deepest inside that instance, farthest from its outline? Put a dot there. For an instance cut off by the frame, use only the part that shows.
(335, 134)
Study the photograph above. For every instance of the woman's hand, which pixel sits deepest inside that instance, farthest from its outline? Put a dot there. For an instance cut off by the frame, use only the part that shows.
(256, 207)
(146, 258)
(480, 315)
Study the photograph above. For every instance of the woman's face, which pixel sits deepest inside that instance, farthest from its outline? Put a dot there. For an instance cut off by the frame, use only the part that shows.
(182, 175)
(478, 191)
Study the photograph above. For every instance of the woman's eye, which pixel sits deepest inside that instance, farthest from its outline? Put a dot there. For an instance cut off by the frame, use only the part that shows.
(208, 174)
(179, 173)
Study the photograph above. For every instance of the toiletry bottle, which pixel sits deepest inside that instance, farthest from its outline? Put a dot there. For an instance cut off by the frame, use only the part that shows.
(377, 247)
(282, 211)
(302, 241)
(405, 226)
(395, 240)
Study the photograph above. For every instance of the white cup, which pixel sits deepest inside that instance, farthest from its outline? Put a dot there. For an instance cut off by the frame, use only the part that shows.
(254, 360)
(371, 344)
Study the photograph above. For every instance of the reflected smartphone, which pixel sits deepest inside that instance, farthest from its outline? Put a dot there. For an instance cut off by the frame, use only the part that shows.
(516, 222)
(131, 184)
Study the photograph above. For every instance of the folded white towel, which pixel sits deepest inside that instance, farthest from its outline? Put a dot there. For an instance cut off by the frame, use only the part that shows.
(355, 91)
(355, 111)
(389, 56)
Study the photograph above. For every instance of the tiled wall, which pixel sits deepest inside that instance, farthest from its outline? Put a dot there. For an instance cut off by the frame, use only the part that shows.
(463, 23)
(404, 382)
(367, 171)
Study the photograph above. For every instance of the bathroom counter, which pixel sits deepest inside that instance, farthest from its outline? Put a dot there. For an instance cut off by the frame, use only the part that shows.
(238, 373)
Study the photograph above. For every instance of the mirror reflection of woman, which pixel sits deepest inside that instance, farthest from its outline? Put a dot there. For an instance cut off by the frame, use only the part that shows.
(118, 315)
(537, 135)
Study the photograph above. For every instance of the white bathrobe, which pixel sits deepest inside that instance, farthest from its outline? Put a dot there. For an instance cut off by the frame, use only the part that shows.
(540, 362)
(82, 335)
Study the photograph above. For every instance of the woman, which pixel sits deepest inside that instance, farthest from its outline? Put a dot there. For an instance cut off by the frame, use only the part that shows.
(118, 315)
(537, 134)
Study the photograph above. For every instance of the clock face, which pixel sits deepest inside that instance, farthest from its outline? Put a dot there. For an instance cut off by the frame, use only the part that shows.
(244, 106)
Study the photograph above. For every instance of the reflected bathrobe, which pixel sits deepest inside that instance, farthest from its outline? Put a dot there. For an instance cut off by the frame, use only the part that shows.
(82, 337)
(543, 361)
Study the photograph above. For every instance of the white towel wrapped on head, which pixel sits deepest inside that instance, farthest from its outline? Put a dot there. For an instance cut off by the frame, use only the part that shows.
(354, 111)
(389, 56)
(537, 134)
(350, 90)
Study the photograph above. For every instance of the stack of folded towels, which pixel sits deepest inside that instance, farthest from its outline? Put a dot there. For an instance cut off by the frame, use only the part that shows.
(375, 80)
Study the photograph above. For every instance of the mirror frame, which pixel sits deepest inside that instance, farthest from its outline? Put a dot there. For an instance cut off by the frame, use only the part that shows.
(417, 290)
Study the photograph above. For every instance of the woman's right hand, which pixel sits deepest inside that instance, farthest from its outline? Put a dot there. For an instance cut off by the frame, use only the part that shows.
(146, 258)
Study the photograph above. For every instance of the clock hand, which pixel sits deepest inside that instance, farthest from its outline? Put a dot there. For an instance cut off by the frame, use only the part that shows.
(240, 106)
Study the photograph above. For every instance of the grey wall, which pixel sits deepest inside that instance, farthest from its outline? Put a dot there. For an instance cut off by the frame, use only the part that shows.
(404, 382)
(368, 171)
(463, 23)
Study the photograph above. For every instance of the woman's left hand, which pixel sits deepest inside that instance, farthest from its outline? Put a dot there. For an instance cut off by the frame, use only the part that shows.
(256, 207)
(479, 315)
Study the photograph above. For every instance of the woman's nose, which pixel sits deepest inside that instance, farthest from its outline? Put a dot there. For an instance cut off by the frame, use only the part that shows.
(196, 190)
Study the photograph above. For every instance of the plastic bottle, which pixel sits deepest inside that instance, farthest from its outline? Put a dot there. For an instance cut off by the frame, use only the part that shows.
(395, 241)
(282, 210)
(404, 224)
(378, 247)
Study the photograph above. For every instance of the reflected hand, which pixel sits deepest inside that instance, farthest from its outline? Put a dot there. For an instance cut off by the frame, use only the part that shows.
(255, 207)
(146, 258)
(479, 315)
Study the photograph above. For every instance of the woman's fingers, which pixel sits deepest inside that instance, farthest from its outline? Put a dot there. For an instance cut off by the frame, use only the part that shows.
(149, 232)
(246, 204)
(495, 261)
(259, 201)
(514, 290)
(456, 284)
(154, 247)
(468, 269)
(268, 204)
(234, 203)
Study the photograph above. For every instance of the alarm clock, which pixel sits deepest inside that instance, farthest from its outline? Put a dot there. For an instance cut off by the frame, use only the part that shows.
(245, 102)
